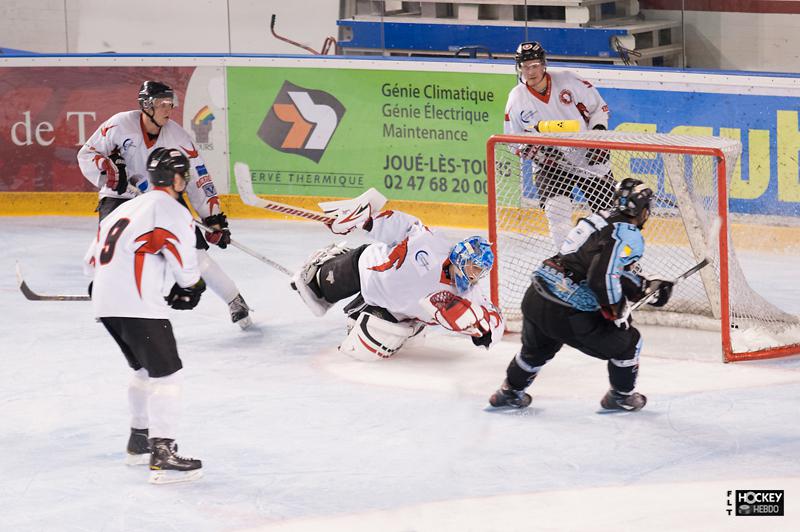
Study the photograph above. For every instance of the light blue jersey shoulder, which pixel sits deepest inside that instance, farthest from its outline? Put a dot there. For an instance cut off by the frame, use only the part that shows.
(629, 244)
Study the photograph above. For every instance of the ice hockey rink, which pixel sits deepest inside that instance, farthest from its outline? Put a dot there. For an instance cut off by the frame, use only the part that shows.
(296, 437)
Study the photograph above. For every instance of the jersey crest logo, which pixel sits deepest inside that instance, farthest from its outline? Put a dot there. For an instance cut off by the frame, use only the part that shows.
(301, 121)
(396, 258)
(422, 259)
(566, 97)
(127, 144)
(153, 242)
(526, 116)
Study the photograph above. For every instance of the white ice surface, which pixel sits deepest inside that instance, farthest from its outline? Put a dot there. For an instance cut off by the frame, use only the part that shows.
(294, 436)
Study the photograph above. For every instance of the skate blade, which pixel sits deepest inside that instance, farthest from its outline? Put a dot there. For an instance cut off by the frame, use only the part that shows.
(137, 459)
(510, 410)
(172, 477)
(244, 323)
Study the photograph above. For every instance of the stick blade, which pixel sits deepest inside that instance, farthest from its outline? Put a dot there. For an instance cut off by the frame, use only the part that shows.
(30, 295)
(244, 183)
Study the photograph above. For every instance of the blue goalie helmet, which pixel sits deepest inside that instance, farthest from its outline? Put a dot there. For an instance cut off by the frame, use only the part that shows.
(475, 251)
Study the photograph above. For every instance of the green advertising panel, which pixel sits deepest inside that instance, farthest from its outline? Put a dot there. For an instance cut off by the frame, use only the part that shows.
(335, 132)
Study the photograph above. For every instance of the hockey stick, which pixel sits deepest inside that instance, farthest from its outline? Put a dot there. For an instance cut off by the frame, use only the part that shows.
(30, 295)
(713, 237)
(250, 252)
(685, 275)
(244, 183)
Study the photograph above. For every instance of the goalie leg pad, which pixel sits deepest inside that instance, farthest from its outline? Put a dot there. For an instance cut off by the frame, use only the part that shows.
(372, 336)
(305, 279)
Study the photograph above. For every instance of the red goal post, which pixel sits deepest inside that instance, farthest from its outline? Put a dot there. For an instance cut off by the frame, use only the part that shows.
(684, 173)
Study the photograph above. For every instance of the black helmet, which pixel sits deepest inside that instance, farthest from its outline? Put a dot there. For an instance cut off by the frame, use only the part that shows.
(528, 51)
(164, 163)
(632, 196)
(151, 90)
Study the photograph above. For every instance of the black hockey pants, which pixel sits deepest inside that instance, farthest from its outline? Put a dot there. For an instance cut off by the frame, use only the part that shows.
(338, 278)
(547, 326)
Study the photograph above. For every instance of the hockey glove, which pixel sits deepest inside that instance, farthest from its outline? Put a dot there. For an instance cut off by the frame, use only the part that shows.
(181, 298)
(355, 213)
(122, 174)
(221, 235)
(485, 340)
(663, 290)
(109, 170)
(597, 155)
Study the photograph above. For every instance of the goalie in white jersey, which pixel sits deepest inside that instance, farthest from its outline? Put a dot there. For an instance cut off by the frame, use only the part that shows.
(114, 159)
(136, 246)
(559, 96)
(410, 277)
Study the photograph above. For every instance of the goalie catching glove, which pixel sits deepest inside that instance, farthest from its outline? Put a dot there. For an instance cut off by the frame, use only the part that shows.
(181, 298)
(221, 235)
(353, 213)
(483, 323)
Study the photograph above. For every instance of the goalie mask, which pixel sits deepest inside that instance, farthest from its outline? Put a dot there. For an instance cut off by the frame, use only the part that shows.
(633, 199)
(164, 163)
(472, 259)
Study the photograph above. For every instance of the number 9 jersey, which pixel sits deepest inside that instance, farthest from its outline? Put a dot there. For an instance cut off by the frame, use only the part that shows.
(136, 246)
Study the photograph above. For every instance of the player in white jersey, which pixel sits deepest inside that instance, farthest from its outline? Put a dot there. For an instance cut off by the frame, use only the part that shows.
(562, 95)
(410, 277)
(137, 245)
(114, 159)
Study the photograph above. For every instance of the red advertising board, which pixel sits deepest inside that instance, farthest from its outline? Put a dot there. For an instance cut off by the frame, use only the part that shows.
(47, 113)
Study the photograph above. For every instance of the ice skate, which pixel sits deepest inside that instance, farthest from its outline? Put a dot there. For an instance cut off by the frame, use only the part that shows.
(614, 400)
(167, 467)
(240, 312)
(138, 448)
(507, 396)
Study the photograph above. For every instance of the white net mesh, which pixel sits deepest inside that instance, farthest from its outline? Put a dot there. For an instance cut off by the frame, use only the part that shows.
(532, 178)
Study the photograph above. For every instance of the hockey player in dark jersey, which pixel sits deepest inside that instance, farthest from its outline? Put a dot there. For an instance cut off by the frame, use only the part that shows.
(580, 297)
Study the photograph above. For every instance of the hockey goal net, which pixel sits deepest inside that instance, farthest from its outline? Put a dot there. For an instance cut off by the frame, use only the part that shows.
(690, 220)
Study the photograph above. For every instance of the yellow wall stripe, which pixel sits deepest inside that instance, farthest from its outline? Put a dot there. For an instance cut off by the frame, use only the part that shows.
(750, 237)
